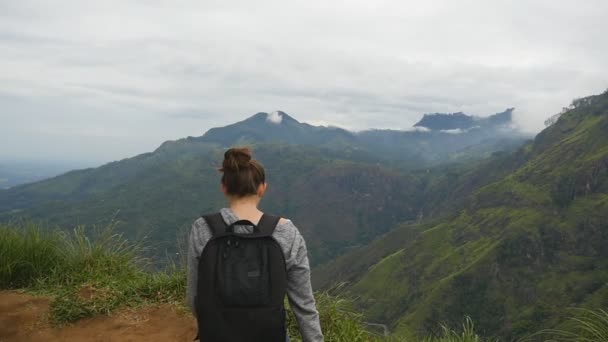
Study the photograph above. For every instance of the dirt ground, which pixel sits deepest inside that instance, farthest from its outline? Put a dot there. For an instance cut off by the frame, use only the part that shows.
(25, 318)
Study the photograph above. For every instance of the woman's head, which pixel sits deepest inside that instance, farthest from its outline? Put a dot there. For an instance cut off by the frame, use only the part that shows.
(242, 175)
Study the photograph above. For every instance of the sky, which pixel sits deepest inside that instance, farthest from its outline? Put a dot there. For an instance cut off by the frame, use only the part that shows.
(104, 80)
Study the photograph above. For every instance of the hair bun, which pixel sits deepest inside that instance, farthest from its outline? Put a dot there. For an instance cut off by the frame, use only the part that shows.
(236, 158)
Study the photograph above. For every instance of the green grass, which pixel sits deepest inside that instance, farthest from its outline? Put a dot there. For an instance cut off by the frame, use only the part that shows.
(338, 320)
(583, 326)
(28, 255)
(467, 334)
(86, 273)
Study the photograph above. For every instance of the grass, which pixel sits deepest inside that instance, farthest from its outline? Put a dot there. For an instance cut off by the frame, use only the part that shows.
(585, 326)
(338, 320)
(87, 273)
(96, 272)
(28, 255)
(467, 334)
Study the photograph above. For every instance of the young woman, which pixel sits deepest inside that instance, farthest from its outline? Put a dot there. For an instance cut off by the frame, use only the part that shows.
(244, 184)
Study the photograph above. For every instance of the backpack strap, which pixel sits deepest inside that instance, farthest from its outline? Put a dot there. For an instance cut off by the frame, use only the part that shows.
(216, 223)
(267, 224)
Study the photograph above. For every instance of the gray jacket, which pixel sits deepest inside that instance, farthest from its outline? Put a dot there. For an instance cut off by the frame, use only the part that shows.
(299, 290)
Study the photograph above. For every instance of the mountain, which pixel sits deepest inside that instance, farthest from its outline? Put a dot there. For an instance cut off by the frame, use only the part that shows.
(440, 121)
(157, 195)
(278, 127)
(461, 121)
(16, 172)
(520, 240)
(412, 149)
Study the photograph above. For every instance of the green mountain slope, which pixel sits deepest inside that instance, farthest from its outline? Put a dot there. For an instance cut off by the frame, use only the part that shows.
(528, 242)
(158, 195)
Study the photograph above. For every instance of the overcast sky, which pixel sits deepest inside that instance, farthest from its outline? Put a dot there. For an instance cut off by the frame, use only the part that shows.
(104, 80)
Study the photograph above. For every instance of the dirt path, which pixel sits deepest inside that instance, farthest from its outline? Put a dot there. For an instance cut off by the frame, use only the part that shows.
(24, 318)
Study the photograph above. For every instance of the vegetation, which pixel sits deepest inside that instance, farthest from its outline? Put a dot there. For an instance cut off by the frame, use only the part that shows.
(586, 326)
(157, 196)
(86, 276)
(99, 275)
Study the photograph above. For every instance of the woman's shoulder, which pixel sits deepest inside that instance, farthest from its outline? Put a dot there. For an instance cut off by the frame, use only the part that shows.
(201, 229)
(285, 223)
(200, 223)
(286, 230)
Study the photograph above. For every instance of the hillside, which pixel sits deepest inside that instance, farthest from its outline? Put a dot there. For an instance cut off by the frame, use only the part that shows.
(16, 172)
(522, 246)
(158, 195)
(23, 319)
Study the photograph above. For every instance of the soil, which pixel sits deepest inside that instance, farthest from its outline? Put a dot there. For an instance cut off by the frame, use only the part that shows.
(24, 317)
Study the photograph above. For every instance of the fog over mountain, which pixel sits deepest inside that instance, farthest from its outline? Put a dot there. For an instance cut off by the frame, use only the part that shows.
(436, 138)
(106, 80)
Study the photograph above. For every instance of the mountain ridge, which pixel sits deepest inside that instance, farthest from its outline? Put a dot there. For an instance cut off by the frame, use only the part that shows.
(461, 121)
(416, 148)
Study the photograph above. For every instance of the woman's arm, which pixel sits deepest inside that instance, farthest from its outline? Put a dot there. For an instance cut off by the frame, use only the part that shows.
(299, 293)
(199, 236)
(192, 270)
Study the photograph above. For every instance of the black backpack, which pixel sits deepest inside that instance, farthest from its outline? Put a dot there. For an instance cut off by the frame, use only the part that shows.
(242, 282)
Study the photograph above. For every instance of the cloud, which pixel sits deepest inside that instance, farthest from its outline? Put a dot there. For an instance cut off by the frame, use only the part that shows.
(454, 131)
(142, 72)
(275, 118)
(417, 129)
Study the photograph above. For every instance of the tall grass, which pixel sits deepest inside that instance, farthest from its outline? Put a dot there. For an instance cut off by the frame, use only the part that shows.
(27, 255)
(467, 334)
(585, 326)
(339, 321)
(87, 273)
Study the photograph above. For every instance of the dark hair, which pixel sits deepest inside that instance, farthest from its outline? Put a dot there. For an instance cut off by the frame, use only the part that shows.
(241, 175)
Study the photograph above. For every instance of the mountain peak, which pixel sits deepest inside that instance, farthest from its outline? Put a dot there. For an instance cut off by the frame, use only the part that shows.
(450, 121)
(275, 126)
(277, 117)
(445, 121)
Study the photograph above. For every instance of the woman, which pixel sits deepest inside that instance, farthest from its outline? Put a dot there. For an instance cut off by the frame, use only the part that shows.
(243, 183)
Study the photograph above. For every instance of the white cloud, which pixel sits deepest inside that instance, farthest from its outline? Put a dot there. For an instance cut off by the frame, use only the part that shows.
(454, 131)
(417, 129)
(132, 73)
(275, 118)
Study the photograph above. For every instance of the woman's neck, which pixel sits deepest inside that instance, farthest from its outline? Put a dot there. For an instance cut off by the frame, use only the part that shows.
(246, 208)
